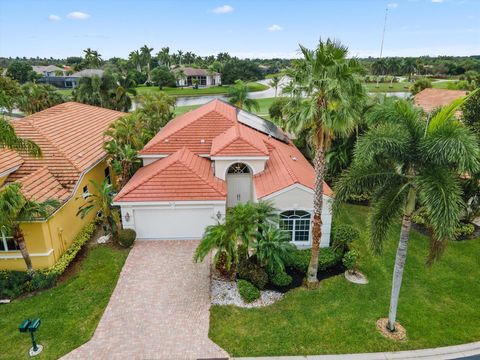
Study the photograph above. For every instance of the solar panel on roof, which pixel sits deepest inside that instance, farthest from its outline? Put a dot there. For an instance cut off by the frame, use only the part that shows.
(262, 125)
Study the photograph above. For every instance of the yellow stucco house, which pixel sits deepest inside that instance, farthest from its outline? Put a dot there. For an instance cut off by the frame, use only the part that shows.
(71, 136)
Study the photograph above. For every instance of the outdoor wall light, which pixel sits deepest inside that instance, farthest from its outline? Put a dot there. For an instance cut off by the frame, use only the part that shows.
(219, 215)
(127, 217)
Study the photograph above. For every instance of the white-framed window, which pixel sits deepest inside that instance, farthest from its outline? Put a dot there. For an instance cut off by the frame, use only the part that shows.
(7, 243)
(297, 223)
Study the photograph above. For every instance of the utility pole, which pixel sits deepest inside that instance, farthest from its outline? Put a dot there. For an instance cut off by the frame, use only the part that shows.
(383, 38)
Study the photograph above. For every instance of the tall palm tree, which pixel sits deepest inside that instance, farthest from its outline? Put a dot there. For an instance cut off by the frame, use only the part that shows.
(10, 140)
(38, 97)
(180, 57)
(125, 85)
(238, 96)
(146, 55)
(410, 163)
(409, 66)
(275, 82)
(164, 56)
(101, 200)
(136, 59)
(393, 67)
(92, 58)
(14, 208)
(334, 99)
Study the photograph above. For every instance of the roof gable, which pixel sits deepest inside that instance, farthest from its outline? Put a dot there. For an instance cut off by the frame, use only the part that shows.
(181, 176)
(239, 140)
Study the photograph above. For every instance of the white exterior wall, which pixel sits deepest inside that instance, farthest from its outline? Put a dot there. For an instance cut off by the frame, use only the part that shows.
(256, 164)
(298, 197)
(181, 220)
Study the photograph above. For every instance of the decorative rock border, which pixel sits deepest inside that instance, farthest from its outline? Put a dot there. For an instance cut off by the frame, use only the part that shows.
(356, 278)
(400, 334)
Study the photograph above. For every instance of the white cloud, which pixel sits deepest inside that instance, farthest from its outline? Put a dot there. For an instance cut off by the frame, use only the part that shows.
(53, 17)
(392, 5)
(78, 15)
(437, 1)
(274, 28)
(222, 9)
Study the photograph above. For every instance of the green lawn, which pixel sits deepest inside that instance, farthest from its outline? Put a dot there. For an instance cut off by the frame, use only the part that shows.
(439, 306)
(214, 90)
(65, 92)
(443, 84)
(69, 312)
(262, 111)
(387, 87)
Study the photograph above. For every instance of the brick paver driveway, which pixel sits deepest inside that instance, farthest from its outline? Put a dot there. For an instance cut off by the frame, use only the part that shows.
(158, 310)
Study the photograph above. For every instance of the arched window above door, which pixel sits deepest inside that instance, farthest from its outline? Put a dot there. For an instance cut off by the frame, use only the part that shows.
(238, 168)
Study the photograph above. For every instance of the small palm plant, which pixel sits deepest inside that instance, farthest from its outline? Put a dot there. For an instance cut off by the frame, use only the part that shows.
(408, 162)
(10, 140)
(238, 96)
(272, 248)
(101, 200)
(14, 208)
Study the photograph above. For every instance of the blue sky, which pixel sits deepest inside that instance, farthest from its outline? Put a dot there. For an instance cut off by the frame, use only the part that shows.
(244, 28)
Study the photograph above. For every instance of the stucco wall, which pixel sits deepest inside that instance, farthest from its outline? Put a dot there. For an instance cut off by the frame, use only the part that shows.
(47, 240)
(298, 198)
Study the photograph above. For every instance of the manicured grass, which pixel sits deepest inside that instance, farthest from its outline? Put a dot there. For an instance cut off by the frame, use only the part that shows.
(438, 305)
(69, 312)
(262, 111)
(387, 87)
(214, 90)
(443, 84)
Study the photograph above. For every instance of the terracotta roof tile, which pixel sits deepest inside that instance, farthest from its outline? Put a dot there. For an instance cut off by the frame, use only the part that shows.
(239, 140)
(42, 185)
(71, 136)
(430, 99)
(9, 160)
(181, 176)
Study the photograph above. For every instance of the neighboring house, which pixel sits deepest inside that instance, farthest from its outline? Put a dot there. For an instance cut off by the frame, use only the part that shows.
(211, 159)
(188, 76)
(49, 70)
(71, 136)
(429, 99)
(69, 81)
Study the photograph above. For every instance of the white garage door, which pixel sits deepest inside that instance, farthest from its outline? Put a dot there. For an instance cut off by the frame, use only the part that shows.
(172, 224)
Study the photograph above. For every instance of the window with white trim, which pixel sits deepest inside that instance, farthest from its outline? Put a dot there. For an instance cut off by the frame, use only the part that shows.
(297, 224)
(7, 243)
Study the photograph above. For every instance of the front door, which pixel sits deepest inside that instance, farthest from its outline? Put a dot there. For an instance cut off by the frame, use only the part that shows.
(239, 189)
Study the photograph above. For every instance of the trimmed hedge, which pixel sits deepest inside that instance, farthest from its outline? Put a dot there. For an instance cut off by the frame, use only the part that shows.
(248, 291)
(280, 278)
(251, 271)
(327, 258)
(343, 235)
(14, 283)
(126, 237)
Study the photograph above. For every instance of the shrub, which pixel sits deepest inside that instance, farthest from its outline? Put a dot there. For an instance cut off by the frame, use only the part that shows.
(299, 260)
(464, 230)
(248, 291)
(280, 278)
(350, 260)
(251, 271)
(420, 85)
(126, 237)
(327, 257)
(343, 235)
(12, 283)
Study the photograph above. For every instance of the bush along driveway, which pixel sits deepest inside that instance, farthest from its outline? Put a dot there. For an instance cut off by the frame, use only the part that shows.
(438, 305)
(69, 312)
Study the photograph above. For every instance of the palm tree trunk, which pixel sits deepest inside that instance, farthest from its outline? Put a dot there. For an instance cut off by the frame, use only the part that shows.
(319, 164)
(400, 258)
(20, 239)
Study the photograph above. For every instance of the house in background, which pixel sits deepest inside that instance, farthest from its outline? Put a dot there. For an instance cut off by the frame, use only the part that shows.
(188, 76)
(71, 136)
(430, 99)
(210, 159)
(49, 71)
(66, 81)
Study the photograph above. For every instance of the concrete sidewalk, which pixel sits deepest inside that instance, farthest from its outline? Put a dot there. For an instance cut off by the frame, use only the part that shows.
(470, 351)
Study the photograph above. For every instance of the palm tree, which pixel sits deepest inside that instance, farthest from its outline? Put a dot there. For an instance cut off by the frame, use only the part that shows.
(334, 99)
(409, 163)
(180, 57)
(125, 85)
(14, 208)
(393, 67)
(10, 140)
(38, 97)
(146, 55)
(238, 96)
(409, 66)
(379, 67)
(92, 58)
(136, 59)
(156, 110)
(164, 56)
(101, 201)
(274, 83)
(272, 248)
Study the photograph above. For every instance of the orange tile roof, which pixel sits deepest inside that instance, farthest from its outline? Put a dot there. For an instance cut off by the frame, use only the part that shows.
(9, 160)
(216, 123)
(43, 185)
(181, 176)
(194, 129)
(429, 99)
(239, 140)
(71, 136)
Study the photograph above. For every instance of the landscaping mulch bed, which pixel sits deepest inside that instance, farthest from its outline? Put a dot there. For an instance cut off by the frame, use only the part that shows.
(425, 231)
